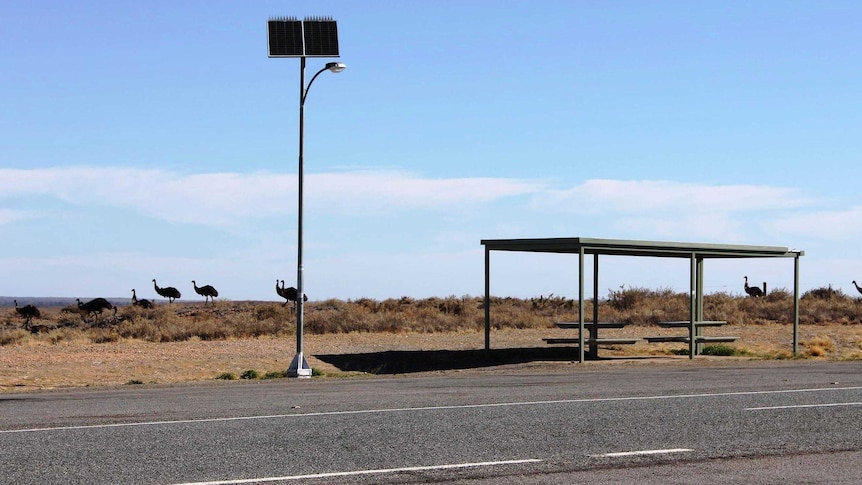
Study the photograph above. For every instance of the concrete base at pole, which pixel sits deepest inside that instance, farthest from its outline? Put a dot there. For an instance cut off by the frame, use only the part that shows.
(299, 367)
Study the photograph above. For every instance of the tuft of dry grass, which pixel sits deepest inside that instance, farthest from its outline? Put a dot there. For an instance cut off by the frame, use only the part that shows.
(12, 336)
(819, 346)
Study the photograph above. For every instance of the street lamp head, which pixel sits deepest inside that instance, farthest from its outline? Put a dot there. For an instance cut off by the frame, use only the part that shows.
(336, 66)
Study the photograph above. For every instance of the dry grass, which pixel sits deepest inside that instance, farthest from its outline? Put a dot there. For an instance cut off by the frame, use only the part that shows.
(185, 342)
(819, 346)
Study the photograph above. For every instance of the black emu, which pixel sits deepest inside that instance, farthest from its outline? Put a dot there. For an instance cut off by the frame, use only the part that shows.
(141, 303)
(289, 294)
(857, 286)
(169, 292)
(280, 291)
(206, 291)
(752, 291)
(94, 306)
(28, 312)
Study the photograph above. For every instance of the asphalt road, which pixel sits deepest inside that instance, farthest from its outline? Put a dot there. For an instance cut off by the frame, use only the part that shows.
(772, 422)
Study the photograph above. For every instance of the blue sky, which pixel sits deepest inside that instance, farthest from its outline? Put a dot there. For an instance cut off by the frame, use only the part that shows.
(158, 140)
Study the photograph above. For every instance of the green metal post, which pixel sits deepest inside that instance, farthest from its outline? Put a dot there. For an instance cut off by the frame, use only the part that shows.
(581, 305)
(699, 315)
(487, 298)
(596, 288)
(796, 304)
(699, 302)
(693, 304)
(594, 330)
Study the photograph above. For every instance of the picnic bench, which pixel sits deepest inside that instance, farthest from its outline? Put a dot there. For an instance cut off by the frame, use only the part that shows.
(679, 338)
(607, 341)
(699, 338)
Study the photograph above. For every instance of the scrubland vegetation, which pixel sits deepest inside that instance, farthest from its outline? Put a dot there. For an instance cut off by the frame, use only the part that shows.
(238, 320)
(188, 341)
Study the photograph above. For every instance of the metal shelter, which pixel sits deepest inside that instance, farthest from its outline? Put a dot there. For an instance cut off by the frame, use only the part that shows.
(695, 252)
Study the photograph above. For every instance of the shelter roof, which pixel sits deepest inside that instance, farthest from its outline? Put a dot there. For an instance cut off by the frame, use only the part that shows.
(623, 247)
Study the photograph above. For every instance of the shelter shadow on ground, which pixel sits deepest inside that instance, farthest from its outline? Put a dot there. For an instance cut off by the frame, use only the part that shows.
(407, 361)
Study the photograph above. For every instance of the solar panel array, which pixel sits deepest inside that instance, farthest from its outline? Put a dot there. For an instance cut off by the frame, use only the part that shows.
(312, 37)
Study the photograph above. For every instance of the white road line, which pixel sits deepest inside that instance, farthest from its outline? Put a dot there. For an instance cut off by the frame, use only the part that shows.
(433, 408)
(642, 452)
(365, 472)
(827, 405)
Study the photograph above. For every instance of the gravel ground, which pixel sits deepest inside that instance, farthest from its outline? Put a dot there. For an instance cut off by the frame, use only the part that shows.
(36, 366)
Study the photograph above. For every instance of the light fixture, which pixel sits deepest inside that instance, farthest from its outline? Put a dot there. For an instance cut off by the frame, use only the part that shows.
(336, 66)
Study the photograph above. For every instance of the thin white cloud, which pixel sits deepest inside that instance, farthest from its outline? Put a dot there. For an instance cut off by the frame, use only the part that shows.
(396, 191)
(840, 225)
(10, 215)
(649, 196)
(225, 198)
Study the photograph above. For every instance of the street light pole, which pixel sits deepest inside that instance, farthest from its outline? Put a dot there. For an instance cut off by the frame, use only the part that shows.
(299, 366)
(311, 37)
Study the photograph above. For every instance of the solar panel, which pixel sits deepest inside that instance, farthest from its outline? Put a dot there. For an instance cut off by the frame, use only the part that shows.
(285, 37)
(312, 37)
(321, 37)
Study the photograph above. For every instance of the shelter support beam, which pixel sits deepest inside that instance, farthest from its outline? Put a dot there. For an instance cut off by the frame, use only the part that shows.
(594, 331)
(581, 305)
(487, 298)
(796, 304)
(692, 345)
(699, 315)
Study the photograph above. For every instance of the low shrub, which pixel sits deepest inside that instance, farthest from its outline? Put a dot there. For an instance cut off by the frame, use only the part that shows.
(778, 355)
(824, 293)
(249, 374)
(722, 350)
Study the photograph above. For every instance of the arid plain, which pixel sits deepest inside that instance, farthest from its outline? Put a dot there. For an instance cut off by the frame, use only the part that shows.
(197, 342)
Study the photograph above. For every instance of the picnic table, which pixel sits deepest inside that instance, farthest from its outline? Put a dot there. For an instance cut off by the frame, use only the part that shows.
(592, 339)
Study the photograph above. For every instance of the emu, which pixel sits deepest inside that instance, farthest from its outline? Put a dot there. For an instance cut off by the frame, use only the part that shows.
(206, 291)
(141, 303)
(28, 312)
(280, 291)
(169, 292)
(94, 306)
(752, 291)
(857, 286)
(289, 294)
